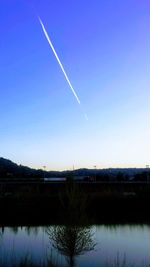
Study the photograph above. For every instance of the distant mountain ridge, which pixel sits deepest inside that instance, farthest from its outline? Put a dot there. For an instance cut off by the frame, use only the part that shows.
(12, 170)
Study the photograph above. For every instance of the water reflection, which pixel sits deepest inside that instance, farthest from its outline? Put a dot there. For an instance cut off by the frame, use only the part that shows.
(34, 230)
(117, 246)
(62, 245)
(73, 238)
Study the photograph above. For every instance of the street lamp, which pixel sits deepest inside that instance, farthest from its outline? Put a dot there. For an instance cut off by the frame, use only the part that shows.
(44, 167)
(95, 173)
(147, 167)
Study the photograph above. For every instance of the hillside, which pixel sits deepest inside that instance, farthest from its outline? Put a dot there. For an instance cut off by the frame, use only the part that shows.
(9, 169)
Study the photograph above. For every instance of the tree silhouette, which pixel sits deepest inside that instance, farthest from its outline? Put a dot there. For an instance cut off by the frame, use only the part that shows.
(73, 238)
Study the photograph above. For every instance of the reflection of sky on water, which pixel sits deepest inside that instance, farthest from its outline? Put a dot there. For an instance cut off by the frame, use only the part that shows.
(132, 241)
(26, 241)
(23, 242)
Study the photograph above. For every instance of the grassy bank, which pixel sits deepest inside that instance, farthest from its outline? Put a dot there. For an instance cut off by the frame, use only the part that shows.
(105, 202)
(48, 209)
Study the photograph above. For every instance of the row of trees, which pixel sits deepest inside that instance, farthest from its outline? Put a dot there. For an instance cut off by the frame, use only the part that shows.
(121, 177)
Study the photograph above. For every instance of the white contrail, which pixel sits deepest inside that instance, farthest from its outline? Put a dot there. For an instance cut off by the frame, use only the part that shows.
(60, 64)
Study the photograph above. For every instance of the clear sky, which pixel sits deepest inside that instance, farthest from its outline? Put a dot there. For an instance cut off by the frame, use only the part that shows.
(105, 49)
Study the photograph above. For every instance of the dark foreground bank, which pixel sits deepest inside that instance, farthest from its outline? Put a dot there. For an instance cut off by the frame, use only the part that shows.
(48, 210)
(36, 203)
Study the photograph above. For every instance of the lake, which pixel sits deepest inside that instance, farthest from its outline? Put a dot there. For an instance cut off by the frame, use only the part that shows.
(66, 245)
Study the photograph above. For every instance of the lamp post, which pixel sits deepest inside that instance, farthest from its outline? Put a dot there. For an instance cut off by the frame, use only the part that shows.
(147, 167)
(95, 173)
(44, 168)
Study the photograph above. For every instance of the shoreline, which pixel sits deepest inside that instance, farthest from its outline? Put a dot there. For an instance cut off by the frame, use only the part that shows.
(41, 211)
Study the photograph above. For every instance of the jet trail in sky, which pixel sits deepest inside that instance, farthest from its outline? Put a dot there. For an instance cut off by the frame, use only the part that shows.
(60, 64)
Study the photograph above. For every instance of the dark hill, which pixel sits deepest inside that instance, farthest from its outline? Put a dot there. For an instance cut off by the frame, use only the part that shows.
(11, 170)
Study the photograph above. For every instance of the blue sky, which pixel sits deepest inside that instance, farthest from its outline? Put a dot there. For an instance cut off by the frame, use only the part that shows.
(105, 49)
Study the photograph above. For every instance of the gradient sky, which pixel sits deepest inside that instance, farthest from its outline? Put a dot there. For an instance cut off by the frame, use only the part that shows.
(105, 49)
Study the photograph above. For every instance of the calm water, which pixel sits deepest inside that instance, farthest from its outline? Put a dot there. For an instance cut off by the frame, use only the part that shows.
(98, 245)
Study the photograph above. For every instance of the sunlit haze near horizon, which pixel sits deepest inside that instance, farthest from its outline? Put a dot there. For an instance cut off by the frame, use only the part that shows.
(104, 47)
